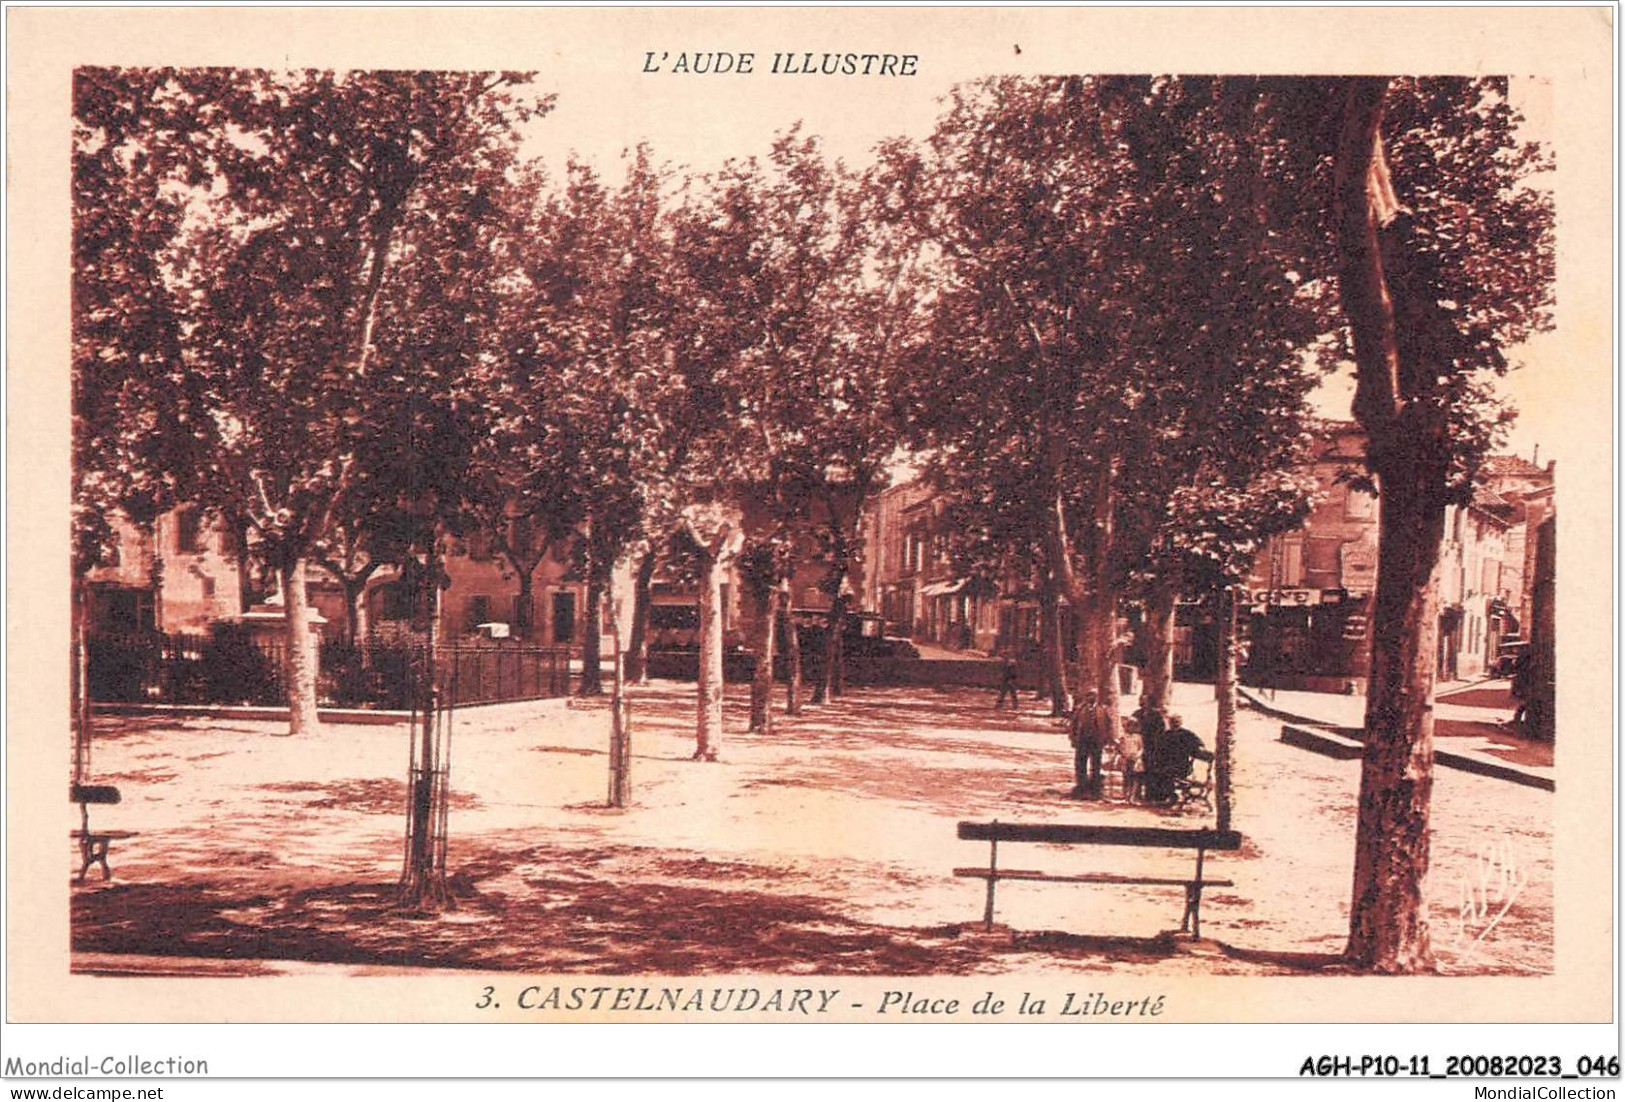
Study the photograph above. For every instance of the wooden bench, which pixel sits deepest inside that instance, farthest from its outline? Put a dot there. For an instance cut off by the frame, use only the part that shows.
(1068, 835)
(94, 844)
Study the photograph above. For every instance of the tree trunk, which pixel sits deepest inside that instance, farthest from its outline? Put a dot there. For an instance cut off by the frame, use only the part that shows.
(1097, 645)
(79, 687)
(708, 730)
(1052, 651)
(620, 724)
(829, 676)
(1224, 735)
(1540, 718)
(1159, 643)
(761, 687)
(423, 880)
(637, 650)
(1388, 922)
(592, 657)
(526, 604)
(1399, 403)
(352, 608)
(792, 659)
(837, 680)
(245, 582)
(299, 663)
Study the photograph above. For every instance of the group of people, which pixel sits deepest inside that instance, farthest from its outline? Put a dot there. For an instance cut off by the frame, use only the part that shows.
(1167, 749)
(1154, 745)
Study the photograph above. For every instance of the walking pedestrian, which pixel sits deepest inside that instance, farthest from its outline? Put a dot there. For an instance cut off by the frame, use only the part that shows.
(1007, 687)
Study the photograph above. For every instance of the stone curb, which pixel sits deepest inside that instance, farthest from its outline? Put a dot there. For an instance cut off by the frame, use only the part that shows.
(1339, 742)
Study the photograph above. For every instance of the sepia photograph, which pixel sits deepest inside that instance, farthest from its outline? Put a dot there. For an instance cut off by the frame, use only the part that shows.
(744, 520)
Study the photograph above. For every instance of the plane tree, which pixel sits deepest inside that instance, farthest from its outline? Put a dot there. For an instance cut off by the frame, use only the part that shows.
(828, 303)
(301, 196)
(1444, 262)
(1053, 331)
(134, 406)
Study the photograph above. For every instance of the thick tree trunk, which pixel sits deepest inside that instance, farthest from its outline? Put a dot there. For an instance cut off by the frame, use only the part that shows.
(592, 656)
(1224, 736)
(1399, 403)
(1052, 651)
(1159, 643)
(708, 729)
(637, 649)
(761, 686)
(1388, 923)
(792, 659)
(829, 676)
(299, 663)
(1097, 645)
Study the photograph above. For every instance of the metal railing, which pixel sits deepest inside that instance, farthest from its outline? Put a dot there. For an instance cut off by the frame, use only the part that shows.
(232, 666)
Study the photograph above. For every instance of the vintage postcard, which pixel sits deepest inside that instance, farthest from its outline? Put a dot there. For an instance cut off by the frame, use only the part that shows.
(812, 516)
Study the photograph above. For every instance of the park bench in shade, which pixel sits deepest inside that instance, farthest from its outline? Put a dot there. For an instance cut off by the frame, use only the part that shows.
(94, 844)
(1069, 835)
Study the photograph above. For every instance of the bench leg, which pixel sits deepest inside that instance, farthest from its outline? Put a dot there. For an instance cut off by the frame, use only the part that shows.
(93, 851)
(992, 879)
(1193, 901)
(1192, 920)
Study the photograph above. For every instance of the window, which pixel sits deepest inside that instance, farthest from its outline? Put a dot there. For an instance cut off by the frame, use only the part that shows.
(1358, 505)
(397, 603)
(564, 617)
(1291, 562)
(478, 610)
(189, 530)
(1320, 561)
(521, 612)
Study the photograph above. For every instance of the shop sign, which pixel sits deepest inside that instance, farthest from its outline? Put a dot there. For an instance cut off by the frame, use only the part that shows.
(1359, 566)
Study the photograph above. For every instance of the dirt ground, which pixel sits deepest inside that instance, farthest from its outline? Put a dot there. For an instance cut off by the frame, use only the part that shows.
(827, 847)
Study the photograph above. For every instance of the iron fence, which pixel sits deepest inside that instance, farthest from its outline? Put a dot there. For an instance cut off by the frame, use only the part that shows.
(232, 666)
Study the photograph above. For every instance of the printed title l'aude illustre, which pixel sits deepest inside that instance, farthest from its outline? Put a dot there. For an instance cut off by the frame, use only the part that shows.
(807, 63)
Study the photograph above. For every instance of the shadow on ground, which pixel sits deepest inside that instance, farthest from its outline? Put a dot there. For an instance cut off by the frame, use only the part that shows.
(612, 910)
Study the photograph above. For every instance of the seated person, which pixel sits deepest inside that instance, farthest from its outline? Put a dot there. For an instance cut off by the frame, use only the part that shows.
(1169, 758)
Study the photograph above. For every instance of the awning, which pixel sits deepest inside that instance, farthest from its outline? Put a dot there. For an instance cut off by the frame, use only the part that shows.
(943, 589)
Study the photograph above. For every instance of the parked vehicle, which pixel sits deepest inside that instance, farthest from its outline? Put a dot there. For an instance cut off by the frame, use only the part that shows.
(865, 635)
(1512, 648)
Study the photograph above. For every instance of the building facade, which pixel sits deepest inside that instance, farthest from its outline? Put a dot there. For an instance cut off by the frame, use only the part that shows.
(1307, 608)
(182, 575)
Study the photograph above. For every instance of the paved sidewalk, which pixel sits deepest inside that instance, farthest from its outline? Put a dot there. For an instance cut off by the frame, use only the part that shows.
(1472, 727)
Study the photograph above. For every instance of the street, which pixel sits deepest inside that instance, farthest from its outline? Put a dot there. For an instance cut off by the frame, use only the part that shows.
(826, 847)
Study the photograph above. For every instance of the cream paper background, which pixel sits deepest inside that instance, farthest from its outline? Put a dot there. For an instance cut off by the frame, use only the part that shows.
(595, 57)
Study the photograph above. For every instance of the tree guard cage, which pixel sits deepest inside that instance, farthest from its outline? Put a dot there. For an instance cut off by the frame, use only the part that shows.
(423, 872)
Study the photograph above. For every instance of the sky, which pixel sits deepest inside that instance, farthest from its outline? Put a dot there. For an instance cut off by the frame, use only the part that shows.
(701, 121)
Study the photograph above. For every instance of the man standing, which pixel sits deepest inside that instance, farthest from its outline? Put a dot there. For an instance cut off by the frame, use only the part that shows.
(1092, 727)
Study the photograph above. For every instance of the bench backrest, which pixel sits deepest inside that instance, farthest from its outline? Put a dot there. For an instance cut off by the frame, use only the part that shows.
(1069, 834)
(93, 794)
